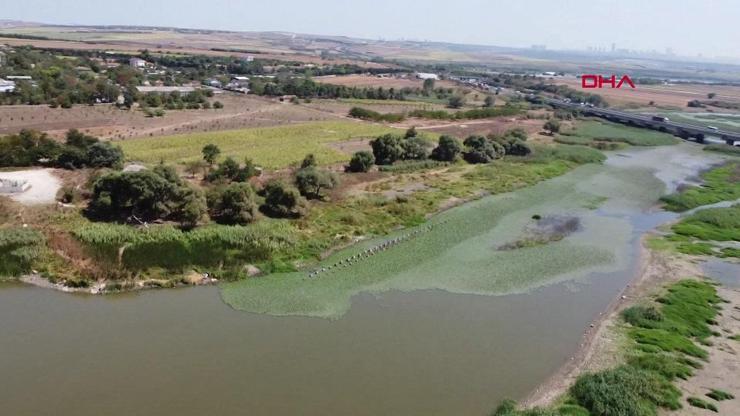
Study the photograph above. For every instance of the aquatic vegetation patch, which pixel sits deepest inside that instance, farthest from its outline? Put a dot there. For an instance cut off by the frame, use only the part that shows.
(702, 404)
(719, 395)
(454, 254)
(720, 184)
(593, 132)
(544, 230)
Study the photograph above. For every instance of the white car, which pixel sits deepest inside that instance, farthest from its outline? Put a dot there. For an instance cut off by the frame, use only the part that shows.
(712, 128)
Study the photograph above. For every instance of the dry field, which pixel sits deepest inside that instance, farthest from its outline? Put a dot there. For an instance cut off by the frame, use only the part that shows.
(359, 80)
(108, 122)
(663, 95)
(202, 46)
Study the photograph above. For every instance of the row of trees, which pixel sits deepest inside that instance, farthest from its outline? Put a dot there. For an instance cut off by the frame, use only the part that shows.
(31, 148)
(389, 148)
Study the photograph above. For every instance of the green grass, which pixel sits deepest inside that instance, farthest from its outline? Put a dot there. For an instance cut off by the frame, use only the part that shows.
(716, 224)
(19, 248)
(719, 395)
(269, 147)
(701, 404)
(723, 148)
(720, 184)
(591, 132)
(576, 154)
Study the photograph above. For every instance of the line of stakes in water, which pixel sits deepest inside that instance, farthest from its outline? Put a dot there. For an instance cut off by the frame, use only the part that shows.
(367, 253)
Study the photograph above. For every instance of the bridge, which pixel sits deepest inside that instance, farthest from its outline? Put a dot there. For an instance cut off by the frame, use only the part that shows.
(685, 131)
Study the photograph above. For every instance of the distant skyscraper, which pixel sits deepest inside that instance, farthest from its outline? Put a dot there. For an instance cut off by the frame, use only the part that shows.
(614, 47)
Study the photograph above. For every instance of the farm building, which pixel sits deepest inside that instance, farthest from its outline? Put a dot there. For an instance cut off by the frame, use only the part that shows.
(163, 89)
(426, 75)
(13, 186)
(138, 63)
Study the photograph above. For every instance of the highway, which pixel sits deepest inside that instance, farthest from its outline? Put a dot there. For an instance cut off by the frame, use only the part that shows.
(686, 131)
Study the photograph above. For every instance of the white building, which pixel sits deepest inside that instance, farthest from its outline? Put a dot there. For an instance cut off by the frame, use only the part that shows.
(249, 58)
(138, 63)
(426, 75)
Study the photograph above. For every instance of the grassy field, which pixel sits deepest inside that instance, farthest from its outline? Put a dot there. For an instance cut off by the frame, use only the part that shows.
(590, 132)
(271, 147)
(720, 184)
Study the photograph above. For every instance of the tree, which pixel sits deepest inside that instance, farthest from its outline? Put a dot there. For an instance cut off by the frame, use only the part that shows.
(191, 207)
(711, 95)
(518, 133)
(218, 105)
(415, 148)
(283, 201)
(230, 170)
(456, 101)
(447, 149)
(233, 204)
(480, 149)
(428, 86)
(308, 161)
(78, 139)
(387, 149)
(552, 127)
(104, 155)
(211, 153)
(146, 195)
(411, 132)
(489, 101)
(311, 181)
(361, 161)
(518, 148)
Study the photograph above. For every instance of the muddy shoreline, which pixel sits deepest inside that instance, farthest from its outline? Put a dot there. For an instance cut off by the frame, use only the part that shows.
(600, 347)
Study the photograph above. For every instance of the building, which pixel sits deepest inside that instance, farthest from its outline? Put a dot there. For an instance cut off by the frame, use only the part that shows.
(3, 58)
(164, 90)
(238, 84)
(7, 86)
(426, 75)
(138, 63)
(249, 58)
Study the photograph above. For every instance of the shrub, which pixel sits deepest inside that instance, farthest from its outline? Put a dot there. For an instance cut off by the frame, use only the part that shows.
(447, 150)
(414, 148)
(311, 181)
(233, 204)
(387, 149)
(365, 114)
(283, 201)
(361, 161)
(480, 149)
(625, 390)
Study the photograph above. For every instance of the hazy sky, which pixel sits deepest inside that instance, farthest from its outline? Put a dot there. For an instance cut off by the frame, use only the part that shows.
(690, 27)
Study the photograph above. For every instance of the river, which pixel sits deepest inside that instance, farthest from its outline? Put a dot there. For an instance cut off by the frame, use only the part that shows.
(411, 341)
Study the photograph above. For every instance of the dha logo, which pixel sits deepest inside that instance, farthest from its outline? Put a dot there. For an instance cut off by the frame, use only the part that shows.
(597, 81)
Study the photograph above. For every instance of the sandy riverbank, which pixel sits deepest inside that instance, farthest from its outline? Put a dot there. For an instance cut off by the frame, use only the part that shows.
(602, 345)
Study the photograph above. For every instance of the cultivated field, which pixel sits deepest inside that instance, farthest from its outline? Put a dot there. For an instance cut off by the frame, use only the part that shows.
(106, 121)
(271, 147)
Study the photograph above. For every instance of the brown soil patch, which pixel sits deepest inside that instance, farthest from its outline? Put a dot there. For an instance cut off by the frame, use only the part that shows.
(663, 95)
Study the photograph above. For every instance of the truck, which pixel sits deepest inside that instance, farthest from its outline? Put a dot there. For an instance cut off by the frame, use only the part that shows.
(660, 118)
